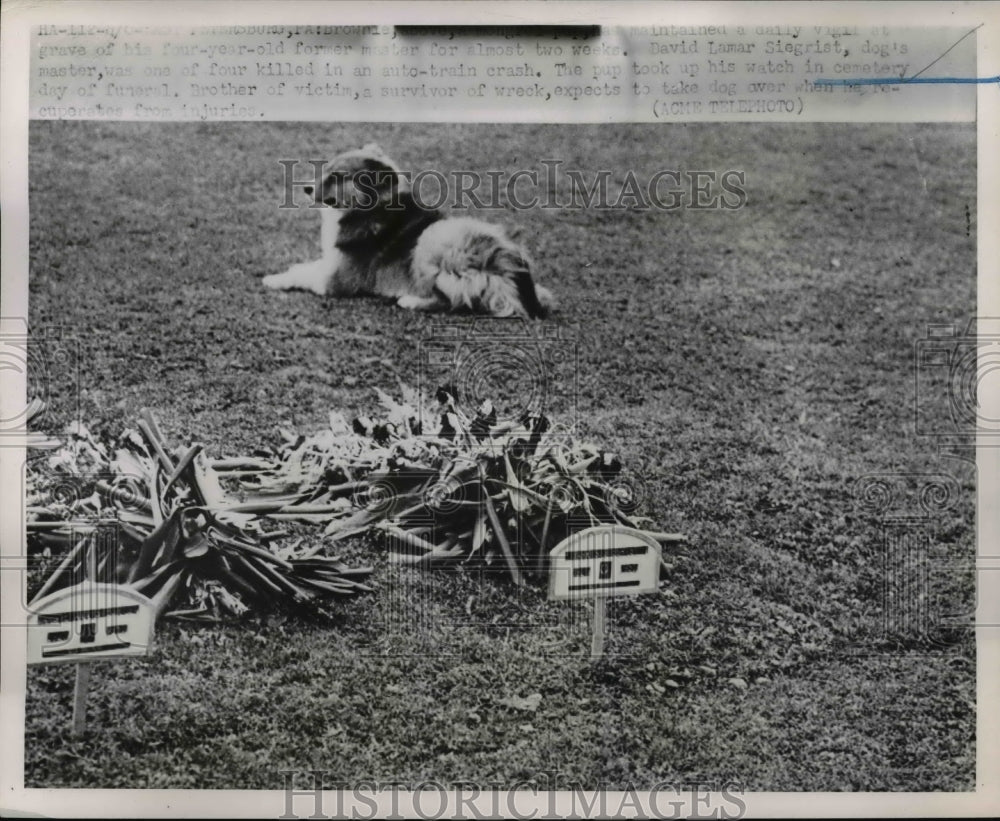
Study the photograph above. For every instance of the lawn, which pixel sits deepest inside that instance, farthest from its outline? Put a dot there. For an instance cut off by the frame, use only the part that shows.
(749, 365)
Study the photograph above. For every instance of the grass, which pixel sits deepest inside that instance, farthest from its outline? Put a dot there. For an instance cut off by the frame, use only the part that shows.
(749, 365)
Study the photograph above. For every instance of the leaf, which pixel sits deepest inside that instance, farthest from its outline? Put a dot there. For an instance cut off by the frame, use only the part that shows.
(479, 533)
(399, 414)
(508, 554)
(209, 486)
(518, 500)
(339, 425)
(128, 463)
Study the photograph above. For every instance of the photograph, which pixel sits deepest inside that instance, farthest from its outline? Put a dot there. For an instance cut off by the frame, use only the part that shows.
(580, 457)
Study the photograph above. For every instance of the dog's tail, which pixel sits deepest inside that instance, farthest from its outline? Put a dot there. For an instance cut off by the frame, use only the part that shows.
(475, 266)
(511, 289)
(546, 299)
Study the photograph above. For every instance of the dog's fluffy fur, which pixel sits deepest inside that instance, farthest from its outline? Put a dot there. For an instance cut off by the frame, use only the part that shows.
(378, 240)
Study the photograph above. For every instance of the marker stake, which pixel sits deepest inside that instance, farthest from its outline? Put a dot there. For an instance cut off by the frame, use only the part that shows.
(80, 699)
(600, 613)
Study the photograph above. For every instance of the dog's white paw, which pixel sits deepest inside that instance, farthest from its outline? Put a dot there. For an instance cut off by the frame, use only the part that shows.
(274, 281)
(306, 276)
(417, 303)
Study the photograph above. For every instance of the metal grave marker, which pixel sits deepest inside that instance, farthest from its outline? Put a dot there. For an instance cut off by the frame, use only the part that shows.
(607, 559)
(90, 622)
(600, 562)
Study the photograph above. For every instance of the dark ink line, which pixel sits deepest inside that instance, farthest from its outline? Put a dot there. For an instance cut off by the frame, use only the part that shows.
(959, 40)
(915, 79)
(895, 81)
(558, 30)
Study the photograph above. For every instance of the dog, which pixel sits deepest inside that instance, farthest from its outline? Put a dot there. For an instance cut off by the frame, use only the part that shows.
(378, 240)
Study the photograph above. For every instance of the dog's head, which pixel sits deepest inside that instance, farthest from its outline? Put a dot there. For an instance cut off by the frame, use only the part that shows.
(362, 178)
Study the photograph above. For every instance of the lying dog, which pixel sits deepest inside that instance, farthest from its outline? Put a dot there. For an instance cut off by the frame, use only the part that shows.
(378, 240)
